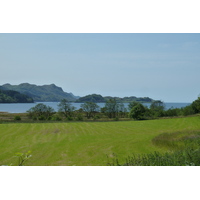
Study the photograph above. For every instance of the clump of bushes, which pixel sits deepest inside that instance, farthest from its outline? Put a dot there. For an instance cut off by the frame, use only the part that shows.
(69, 118)
(17, 118)
(40, 112)
(79, 117)
(56, 117)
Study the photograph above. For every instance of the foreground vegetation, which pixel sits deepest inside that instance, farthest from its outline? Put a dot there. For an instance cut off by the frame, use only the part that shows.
(183, 150)
(93, 144)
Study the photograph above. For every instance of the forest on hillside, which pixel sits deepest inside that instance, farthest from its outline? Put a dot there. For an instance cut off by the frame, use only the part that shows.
(10, 96)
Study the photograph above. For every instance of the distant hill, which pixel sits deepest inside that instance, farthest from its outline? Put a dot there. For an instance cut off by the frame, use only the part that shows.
(10, 96)
(44, 93)
(130, 99)
(96, 98)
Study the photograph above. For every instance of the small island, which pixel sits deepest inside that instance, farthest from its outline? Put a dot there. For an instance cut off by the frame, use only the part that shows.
(97, 98)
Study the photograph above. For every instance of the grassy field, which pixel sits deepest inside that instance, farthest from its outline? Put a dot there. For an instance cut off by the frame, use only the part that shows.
(86, 143)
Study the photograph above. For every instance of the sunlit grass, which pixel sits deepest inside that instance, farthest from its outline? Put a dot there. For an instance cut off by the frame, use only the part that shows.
(86, 143)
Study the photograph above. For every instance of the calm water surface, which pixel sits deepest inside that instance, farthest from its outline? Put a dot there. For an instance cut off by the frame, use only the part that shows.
(23, 107)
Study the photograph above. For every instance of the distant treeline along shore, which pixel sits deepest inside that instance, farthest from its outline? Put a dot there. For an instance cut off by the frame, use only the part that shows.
(29, 93)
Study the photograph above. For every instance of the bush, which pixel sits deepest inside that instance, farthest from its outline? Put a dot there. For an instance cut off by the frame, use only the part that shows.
(55, 118)
(41, 117)
(79, 117)
(96, 117)
(17, 118)
(137, 112)
(116, 119)
(188, 110)
(69, 118)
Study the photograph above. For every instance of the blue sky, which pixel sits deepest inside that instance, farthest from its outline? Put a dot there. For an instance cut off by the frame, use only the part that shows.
(160, 66)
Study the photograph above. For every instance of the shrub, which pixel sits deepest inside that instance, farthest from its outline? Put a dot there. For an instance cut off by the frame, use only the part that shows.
(188, 110)
(69, 118)
(96, 117)
(41, 117)
(116, 119)
(55, 117)
(137, 112)
(79, 117)
(17, 118)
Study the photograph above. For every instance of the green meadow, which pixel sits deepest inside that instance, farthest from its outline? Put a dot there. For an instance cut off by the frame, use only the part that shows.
(86, 143)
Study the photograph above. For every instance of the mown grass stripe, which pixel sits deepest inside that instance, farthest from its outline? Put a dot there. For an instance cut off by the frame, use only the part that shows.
(85, 143)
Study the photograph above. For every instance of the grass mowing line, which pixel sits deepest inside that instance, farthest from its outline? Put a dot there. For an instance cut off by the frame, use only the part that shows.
(85, 143)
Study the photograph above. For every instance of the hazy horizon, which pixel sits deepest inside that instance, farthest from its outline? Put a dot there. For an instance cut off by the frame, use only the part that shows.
(159, 66)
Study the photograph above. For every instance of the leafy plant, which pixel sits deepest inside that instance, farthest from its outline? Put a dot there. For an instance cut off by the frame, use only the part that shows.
(23, 157)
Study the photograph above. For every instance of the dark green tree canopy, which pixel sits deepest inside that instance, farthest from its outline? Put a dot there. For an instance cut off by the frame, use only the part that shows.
(41, 112)
(157, 105)
(137, 111)
(196, 105)
(65, 108)
(132, 104)
(90, 108)
(111, 108)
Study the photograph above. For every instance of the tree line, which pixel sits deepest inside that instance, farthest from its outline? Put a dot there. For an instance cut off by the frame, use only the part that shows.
(111, 110)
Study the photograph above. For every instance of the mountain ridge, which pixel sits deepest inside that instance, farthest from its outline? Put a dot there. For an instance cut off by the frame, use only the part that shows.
(11, 96)
(53, 93)
(43, 93)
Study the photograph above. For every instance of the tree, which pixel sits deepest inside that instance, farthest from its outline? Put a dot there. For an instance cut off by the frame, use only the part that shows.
(111, 108)
(137, 112)
(65, 108)
(188, 110)
(157, 108)
(157, 105)
(90, 108)
(41, 112)
(132, 104)
(122, 110)
(196, 105)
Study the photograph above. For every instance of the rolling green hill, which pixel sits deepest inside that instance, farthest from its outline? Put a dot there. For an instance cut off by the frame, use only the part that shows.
(44, 93)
